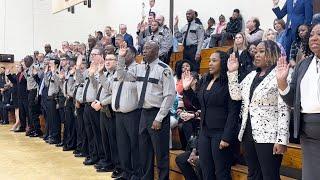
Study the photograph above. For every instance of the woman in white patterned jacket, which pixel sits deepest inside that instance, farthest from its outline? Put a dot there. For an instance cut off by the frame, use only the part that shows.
(265, 116)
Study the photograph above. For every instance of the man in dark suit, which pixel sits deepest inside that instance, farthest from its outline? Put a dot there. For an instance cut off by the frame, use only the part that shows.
(127, 37)
(298, 12)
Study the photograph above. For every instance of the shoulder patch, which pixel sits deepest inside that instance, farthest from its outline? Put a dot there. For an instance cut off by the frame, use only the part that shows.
(167, 72)
(162, 65)
(160, 33)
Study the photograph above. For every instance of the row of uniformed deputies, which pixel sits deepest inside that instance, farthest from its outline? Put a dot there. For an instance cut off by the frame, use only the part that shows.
(119, 107)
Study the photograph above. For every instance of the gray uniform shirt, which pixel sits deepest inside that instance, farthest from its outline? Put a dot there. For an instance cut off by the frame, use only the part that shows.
(162, 36)
(105, 82)
(195, 35)
(160, 92)
(53, 81)
(129, 94)
(31, 82)
(68, 86)
(91, 93)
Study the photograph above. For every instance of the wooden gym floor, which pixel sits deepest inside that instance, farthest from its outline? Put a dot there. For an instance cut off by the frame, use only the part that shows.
(22, 157)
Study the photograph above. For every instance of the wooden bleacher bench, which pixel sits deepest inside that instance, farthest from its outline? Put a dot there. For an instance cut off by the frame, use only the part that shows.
(292, 159)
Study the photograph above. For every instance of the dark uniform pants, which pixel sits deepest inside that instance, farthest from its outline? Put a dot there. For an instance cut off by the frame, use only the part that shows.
(82, 140)
(154, 142)
(45, 112)
(127, 125)
(92, 127)
(215, 163)
(109, 140)
(54, 120)
(189, 53)
(34, 109)
(23, 112)
(70, 140)
(262, 164)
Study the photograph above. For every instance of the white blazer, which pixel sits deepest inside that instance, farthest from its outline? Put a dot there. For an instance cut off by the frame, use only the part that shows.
(268, 112)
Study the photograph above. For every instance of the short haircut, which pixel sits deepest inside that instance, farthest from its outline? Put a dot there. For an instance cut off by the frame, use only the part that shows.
(236, 11)
(100, 33)
(119, 36)
(257, 22)
(212, 20)
(281, 22)
(133, 50)
(152, 14)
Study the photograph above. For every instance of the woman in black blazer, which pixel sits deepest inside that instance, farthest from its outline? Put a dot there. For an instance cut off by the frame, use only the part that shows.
(303, 93)
(218, 118)
(22, 102)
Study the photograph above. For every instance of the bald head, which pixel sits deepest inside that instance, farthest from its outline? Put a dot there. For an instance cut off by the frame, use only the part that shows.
(151, 51)
(191, 15)
(160, 19)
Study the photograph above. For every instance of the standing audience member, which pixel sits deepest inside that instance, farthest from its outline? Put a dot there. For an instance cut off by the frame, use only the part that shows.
(265, 116)
(127, 37)
(218, 118)
(191, 36)
(303, 93)
(298, 12)
(271, 35)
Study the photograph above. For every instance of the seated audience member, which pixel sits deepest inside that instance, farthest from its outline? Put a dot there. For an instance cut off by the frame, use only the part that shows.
(6, 103)
(271, 35)
(189, 115)
(127, 37)
(240, 51)
(316, 18)
(264, 130)
(233, 27)
(14, 90)
(99, 35)
(279, 25)
(253, 31)
(174, 120)
(181, 67)
(188, 162)
(210, 29)
(303, 94)
(218, 117)
(208, 32)
(297, 51)
(253, 49)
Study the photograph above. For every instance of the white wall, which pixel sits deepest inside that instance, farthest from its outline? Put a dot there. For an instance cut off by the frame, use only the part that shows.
(26, 25)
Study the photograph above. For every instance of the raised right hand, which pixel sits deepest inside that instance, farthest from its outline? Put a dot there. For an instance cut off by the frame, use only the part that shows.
(186, 80)
(233, 63)
(282, 73)
(123, 49)
(176, 22)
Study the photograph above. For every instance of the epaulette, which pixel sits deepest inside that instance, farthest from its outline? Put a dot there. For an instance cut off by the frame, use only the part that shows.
(162, 65)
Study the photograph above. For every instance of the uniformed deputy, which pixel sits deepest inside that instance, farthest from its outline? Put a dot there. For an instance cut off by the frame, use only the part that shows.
(90, 115)
(156, 93)
(107, 118)
(192, 37)
(167, 33)
(33, 103)
(53, 81)
(82, 149)
(68, 86)
(164, 40)
(125, 104)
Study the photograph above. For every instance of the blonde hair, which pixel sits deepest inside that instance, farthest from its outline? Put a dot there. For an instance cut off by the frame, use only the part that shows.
(264, 38)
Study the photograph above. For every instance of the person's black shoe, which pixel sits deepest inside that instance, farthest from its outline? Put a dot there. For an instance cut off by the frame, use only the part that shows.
(104, 169)
(120, 178)
(116, 173)
(88, 162)
(36, 133)
(79, 155)
(53, 141)
(76, 152)
(67, 148)
(59, 145)
(5, 122)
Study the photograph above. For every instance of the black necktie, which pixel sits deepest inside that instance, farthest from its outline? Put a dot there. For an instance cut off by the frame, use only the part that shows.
(186, 35)
(152, 37)
(99, 92)
(117, 103)
(85, 91)
(144, 88)
(49, 80)
(66, 86)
